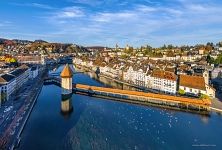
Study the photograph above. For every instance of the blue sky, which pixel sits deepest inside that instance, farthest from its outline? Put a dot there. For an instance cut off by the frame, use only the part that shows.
(107, 22)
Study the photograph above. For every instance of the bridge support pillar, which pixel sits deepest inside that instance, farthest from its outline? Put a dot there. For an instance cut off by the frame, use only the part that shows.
(66, 79)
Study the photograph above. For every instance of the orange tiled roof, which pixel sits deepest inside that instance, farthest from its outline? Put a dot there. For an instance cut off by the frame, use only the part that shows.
(196, 82)
(164, 75)
(66, 72)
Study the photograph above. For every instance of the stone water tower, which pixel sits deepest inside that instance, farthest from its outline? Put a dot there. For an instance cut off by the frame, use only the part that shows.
(66, 79)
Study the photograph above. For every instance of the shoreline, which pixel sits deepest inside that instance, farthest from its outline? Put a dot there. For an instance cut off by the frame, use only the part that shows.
(37, 90)
(144, 103)
(18, 136)
(211, 108)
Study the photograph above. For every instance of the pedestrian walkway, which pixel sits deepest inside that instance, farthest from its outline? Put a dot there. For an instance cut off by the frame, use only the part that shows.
(216, 105)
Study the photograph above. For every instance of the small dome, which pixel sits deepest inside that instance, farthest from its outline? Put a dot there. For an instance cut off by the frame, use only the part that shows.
(66, 72)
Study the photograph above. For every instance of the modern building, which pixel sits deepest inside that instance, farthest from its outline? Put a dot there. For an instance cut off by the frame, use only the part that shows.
(21, 74)
(34, 72)
(8, 84)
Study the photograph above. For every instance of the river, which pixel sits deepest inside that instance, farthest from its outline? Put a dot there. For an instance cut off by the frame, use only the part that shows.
(96, 123)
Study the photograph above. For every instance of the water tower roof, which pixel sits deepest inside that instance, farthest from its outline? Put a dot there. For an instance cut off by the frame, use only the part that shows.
(66, 72)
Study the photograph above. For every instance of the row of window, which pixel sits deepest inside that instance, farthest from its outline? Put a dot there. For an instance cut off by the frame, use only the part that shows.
(192, 90)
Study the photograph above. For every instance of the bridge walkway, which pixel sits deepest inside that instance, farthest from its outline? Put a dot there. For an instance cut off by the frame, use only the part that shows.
(160, 99)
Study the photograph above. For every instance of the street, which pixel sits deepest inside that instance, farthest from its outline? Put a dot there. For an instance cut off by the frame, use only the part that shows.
(14, 112)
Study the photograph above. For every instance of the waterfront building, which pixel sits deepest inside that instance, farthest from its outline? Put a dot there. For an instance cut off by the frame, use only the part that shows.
(196, 85)
(129, 75)
(164, 81)
(103, 68)
(34, 72)
(1, 99)
(8, 84)
(210, 91)
(192, 84)
(21, 74)
(140, 78)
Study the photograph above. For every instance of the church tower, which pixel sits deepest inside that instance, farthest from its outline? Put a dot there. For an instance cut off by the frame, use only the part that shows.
(206, 76)
(66, 77)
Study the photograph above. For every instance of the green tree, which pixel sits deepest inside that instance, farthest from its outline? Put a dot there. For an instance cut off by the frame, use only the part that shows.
(128, 51)
(170, 46)
(210, 59)
(147, 50)
(181, 92)
(209, 48)
(123, 56)
(219, 59)
(13, 60)
(204, 96)
(163, 47)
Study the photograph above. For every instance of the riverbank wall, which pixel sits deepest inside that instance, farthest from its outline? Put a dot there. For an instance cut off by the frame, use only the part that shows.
(33, 99)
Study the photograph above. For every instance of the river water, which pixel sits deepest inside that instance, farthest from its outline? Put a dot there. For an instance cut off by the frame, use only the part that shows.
(101, 124)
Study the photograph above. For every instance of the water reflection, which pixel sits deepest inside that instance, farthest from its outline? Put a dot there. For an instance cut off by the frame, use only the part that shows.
(66, 105)
(205, 119)
(110, 83)
(102, 124)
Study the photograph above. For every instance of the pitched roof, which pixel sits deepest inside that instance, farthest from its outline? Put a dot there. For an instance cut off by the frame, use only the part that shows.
(66, 72)
(33, 68)
(6, 78)
(196, 82)
(164, 75)
(17, 72)
(23, 66)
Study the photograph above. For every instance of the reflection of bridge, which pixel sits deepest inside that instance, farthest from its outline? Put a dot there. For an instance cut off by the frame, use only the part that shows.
(136, 96)
(53, 80)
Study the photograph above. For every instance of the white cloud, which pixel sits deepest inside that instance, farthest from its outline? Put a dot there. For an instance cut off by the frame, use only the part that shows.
(5, 24)
(37, 5)
(88, 2)
(137, 24)
(144, 8)
(112, 17)
(70, 12)
(43, 6)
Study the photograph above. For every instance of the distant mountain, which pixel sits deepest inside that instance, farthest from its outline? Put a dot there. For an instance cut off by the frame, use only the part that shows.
(2, 40)
(39, 45)
(40, 41)
(17, 41)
